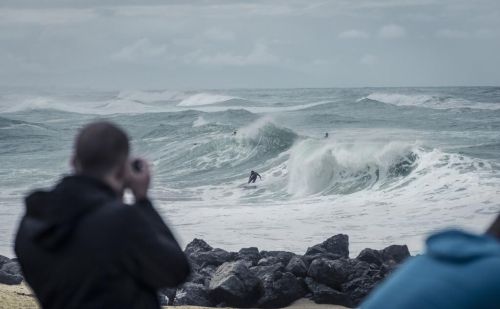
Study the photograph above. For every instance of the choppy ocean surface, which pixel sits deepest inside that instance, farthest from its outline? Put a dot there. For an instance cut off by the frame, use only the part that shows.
(398, 164)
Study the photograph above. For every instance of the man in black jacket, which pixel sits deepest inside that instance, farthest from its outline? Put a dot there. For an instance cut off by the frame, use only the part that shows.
(80, 246)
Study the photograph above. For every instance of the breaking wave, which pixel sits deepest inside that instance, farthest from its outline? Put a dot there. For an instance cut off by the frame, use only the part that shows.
(428, 101)
(204, 99)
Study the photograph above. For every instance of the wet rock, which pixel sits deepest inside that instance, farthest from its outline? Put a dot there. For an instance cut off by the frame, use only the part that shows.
(167, 296)
(309, 258)
(338, 244)
(297, 267)
(280, 290)
(397, 253)
(359, 288)
(12, 267)
(202, 275)
(267, 261)
(322, 294)
(370, 256)
(214, 257)
(235, 285)
(333, 273)
(358, 268)
(249, 254)
(192, 294)
(282, 257)
(267, 270)
(388, 267)
(197, 245)
(3, 260)
(10, 279)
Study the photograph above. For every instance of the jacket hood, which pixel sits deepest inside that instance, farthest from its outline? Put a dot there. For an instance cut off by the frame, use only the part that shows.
(458, 246)
(51, 216)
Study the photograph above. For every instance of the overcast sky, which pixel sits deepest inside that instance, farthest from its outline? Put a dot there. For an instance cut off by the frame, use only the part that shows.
(120, 44)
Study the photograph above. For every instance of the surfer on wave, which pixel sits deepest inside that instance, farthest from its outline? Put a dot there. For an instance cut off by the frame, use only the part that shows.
(253, 177)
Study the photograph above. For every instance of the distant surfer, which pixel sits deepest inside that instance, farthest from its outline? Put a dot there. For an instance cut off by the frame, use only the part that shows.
(235, 132)
(253, 177)
(326, 135)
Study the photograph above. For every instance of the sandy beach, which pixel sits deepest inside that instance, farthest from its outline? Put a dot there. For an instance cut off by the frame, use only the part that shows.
(20, 296)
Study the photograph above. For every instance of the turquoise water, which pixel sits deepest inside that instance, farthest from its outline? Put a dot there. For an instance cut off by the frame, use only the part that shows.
(398, 162)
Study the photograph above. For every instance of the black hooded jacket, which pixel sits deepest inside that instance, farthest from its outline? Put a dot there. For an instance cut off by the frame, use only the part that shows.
(79, 246)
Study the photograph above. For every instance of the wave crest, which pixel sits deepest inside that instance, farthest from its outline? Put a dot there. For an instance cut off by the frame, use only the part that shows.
(428, 101)
(204, 99)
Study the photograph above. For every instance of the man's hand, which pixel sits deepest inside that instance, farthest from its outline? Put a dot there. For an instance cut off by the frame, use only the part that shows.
(138, 179)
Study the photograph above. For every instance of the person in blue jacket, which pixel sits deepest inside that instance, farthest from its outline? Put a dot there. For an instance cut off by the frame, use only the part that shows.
(459, 270)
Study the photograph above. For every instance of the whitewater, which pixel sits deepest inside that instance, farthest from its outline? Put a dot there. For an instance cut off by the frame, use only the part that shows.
(399, 163)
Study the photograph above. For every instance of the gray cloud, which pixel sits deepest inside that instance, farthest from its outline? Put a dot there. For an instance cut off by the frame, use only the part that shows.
(392, 31)
(282, 43)
(353, 34)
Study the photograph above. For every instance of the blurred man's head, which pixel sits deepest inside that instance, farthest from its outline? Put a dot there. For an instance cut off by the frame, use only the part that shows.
(101, 150)
(494, 228)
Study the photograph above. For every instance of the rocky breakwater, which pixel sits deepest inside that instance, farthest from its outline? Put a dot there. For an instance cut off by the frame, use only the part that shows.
(274, 279)
(10, 271)
(270, 279)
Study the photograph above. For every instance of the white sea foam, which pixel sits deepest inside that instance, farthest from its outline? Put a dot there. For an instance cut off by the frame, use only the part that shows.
(260, 109)
(204, 99)
(442, 190)
(200, 121)
(428, 101)
(112, 106)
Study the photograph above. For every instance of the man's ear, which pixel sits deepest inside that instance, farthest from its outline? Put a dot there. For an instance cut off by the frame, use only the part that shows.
(121, 172)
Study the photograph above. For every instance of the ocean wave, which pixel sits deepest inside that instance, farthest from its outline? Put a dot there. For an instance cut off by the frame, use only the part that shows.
(329, 168)
(319, 168)
(200, 121)
(226, 154)
(428, 101)
(204, 99)
(18, 104)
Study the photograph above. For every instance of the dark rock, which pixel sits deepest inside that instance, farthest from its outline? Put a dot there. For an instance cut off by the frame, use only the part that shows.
(359, 288)
(265, 271)
(311, 257)
(202, 275)
(213, 257)
(322, 294)
(338, 244)
(358, 268)
(163, 299)
(280, 290)
(192, 294)
(12, 267)
(282, 256)
(3, 260)
(388, 267)
(235, 285)
(370, 256)
(267, 261)
(397, 253)
(10, 279)
(316, 249)
(249, 254)
(297, 267)
(330, 272)
(167, 296)
(197, 245)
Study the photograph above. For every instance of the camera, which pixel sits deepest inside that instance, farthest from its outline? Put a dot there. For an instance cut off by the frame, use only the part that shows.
(136, 165)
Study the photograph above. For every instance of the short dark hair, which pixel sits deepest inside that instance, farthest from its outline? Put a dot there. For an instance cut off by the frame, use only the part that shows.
(101, 146)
